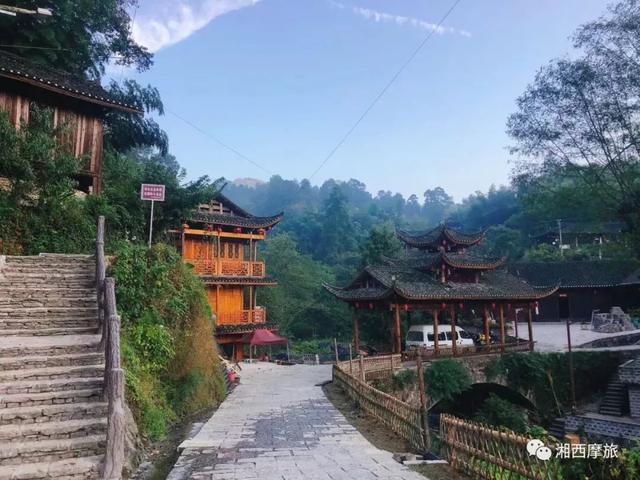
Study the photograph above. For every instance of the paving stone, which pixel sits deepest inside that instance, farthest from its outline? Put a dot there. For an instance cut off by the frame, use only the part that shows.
(278, 425)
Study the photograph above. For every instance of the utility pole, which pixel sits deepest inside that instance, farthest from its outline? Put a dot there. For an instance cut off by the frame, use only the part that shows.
(560, 233)
(13, 11)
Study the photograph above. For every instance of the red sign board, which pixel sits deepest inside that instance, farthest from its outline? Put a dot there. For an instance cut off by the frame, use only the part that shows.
(150, 191)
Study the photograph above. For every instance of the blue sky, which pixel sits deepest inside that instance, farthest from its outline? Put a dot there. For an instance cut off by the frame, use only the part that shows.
(283, 80)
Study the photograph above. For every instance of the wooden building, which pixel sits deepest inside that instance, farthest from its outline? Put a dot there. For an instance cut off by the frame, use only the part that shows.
(583, 286)
(220, 240)
(440, 276)
(77, 107)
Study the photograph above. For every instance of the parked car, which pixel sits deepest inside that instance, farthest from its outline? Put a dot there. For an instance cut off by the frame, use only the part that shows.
(422, 336)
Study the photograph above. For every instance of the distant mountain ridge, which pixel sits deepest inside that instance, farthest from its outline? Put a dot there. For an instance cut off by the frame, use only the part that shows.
(247, 182)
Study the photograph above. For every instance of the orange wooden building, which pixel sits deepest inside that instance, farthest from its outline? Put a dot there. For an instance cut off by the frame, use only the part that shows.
(220, 240)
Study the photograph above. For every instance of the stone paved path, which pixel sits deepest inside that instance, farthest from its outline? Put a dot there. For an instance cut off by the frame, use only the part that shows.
(278, 425)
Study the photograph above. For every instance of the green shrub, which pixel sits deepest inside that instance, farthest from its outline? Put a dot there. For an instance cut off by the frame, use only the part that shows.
(444, 379)
(168, 350)
(404, 379)
(502, 413)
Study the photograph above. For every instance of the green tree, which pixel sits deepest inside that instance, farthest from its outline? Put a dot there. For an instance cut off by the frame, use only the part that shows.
(437, 204)
(502, 413)
(581, 114)
(381, 242)
(299, 304)
(337, 236)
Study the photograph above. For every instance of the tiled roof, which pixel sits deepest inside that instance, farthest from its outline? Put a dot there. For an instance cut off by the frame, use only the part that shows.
(578, 274)
(358, 294)
(462, 260)
(414, 284)
(239, 218)
(19, 69)
(434, 238)
(235, 220)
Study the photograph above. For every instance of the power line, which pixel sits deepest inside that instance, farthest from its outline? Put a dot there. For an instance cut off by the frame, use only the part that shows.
(220, 142)
(386, 87)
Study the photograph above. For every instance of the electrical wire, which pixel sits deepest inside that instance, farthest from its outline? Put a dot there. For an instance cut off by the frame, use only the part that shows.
(385, 88)
(220, 142)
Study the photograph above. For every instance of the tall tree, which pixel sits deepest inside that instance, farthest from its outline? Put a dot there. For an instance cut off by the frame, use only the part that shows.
(583, 114)
(337, 232)
(82, 37)
(436, 206)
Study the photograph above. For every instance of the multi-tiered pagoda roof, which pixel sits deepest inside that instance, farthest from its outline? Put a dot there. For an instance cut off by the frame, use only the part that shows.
(438, 268)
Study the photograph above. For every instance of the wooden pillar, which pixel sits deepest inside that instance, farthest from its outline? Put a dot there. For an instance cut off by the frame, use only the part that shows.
(454, 334)
(487, 330)
(363, 375)
(397, 348)
(530, 327)
(501, 318)
(436, 342)
(356, 333)
(251, 319)
(515, 324)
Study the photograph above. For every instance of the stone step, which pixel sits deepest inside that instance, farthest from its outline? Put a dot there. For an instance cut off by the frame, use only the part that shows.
(40, 361)
(53, 430)
(43, 332)
(21, 283)
(8, 305)
(49, 257)
(52, 413)
(19, 293)
(50, 278)
(39, 326)
(16, 453)
(52, 373)
(50, 312)
(67, 269)
(83, 468)
(56, 385)
(19, 346)
(12, 400)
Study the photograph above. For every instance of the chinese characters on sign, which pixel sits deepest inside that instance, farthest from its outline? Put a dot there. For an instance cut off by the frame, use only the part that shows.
(150, 191)
(155, 193)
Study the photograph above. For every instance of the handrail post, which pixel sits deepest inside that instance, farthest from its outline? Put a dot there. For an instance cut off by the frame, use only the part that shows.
(100, 275)
(113, 388)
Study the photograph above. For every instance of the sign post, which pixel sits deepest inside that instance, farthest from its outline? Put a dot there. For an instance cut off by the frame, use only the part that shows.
(154, 193)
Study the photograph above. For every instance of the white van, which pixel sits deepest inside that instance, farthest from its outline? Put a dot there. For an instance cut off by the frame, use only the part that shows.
(422, 336)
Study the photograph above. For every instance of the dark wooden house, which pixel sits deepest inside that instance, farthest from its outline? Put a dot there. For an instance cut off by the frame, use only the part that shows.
(583, 286)
(77, 106)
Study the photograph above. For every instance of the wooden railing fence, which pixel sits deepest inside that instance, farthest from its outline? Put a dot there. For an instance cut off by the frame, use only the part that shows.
(402, 418)
(113, 386)
(485, 453)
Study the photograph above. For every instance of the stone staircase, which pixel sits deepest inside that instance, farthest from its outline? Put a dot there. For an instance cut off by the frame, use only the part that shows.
(557, 428)
(52, 417)
(616, 399)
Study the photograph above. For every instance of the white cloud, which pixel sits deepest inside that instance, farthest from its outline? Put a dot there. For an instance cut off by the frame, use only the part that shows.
(400, 20)
(171, 22)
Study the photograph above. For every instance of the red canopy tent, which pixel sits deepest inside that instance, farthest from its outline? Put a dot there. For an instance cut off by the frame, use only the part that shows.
(262, 336)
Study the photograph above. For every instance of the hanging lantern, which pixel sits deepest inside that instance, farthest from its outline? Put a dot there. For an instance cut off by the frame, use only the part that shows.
(357, 304)
(461, 305)
(443, 306)
(508, 306)
(493, 306)
(405, 307)
(238, 230)
(261, 231)
(209, 228)
(371, 306)
(537, 304)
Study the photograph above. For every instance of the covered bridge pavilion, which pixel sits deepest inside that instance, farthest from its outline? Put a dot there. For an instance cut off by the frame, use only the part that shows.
(438, 275)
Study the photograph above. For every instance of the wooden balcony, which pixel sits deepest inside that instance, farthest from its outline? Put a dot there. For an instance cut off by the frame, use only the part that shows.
(227, 268)
(259, 315)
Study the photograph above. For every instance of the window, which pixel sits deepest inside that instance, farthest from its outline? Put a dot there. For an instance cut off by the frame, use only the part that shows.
(441, 336)
(430, 337)
(222, 249)
(464, 334)
(455, 335)
(415, 337)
